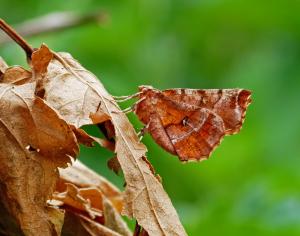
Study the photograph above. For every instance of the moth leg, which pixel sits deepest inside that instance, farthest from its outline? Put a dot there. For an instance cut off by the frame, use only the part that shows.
(143, 131)
(185, 122)
(132, 107)
(128, 110)
(125, 111)
(126, 98)
(137, 102)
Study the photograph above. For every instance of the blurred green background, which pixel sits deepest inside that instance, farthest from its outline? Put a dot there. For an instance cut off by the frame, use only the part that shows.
(250, 185)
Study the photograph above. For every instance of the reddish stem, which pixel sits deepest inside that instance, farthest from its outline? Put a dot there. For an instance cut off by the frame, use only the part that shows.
(16, 37)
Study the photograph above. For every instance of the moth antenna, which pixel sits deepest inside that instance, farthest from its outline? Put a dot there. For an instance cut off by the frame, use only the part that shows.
(126, 98)
(137, 102)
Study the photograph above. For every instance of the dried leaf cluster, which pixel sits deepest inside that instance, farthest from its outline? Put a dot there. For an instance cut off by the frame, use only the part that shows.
(46, 192)
(42, 112)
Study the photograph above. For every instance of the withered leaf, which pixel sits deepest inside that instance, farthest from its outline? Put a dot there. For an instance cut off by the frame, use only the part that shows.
(191, 123)
(78, 199)
(95, 229)
(8, 224)
(83, 137)
(34, 142)
(73, 91)
(40, 60)
(76, 93)
(79, 225)
(113, 220)
(83, 177)
(114, 164)
(88, 200)
(16, 75)
(3, 66)
(56, 217)
(88, 140)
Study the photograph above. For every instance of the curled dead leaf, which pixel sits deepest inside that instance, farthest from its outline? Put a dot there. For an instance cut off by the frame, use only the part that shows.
(16, 75)
(34, 142)
(87, 200)
(40, 60)
(83, 177)
(79, 193)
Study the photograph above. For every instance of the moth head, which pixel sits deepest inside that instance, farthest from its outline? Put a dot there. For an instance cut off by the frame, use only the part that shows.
(145, 88)
(147, 91)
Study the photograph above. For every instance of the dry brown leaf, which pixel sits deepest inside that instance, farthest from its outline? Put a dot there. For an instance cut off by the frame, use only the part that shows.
(3, 67)
(144, 233)
(34, 142)
(88, 200)
(104, 143)
(40, 60)
(76, 93)
(16, 75)
(114, 164)
(83, 137)
(75, 98)
(95, 229)
(79, 225)
(88, 140)
(93, 202)
(72, 226)
(56, 217)
(113, 220)
(83, 177)
(8, 225)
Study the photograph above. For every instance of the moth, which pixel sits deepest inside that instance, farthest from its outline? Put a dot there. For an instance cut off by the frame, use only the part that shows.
(191, 123)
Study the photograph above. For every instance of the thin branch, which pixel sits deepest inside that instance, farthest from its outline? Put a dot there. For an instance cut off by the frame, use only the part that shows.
(16, 37)
(55, 22)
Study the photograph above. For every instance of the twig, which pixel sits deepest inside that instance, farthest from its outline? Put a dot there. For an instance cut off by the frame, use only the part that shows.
(55, 22)
(16, 37)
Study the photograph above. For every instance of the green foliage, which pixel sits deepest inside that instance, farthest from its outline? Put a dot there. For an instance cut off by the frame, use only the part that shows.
(250, 186)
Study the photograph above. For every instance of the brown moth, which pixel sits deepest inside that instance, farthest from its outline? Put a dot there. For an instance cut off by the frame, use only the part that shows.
(191, 123)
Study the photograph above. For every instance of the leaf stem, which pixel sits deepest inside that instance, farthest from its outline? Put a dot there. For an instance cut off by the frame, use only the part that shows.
(16, 37)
